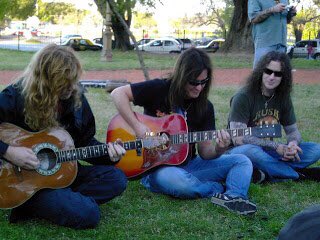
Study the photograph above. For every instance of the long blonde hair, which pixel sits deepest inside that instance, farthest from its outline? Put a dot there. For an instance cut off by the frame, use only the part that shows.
(51, 70)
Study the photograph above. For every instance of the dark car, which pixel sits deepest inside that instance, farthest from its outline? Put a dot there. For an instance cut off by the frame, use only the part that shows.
(100, 41)
(82, 44)
(211, 45)
(185, 43)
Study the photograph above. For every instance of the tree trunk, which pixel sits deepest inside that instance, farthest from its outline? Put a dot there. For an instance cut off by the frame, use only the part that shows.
(297, 34)
(239, 36)
(121, 37)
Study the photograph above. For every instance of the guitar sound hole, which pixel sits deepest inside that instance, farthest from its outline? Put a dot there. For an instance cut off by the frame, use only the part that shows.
(47, 159)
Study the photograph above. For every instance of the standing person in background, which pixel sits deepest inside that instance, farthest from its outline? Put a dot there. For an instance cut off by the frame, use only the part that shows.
(266, 97)
(269, 30)
(200, 175)
(310, 50)
(46, 96)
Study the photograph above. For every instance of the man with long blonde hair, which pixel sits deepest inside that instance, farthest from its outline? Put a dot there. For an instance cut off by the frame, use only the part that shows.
(48, 96)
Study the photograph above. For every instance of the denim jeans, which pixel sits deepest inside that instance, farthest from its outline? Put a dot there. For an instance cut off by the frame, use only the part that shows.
(269, 161)
(201, 178)
(260, 52)
(77, 206)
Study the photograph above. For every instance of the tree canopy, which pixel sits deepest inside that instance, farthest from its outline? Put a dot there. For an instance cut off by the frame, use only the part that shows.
(125, 9)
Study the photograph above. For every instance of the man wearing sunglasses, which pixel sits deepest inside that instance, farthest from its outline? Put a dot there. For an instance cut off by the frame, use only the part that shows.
(266, 99)
(201, 175)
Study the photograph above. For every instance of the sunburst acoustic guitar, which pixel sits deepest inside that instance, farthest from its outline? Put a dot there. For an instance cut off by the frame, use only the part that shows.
(168, 143)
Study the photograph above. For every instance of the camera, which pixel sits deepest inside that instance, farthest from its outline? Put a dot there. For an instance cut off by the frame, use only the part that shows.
(290, 11)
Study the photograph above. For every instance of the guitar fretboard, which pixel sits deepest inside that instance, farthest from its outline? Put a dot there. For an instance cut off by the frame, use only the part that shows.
(82, 153)
(132, 145)
(92, 151)
(193, 137)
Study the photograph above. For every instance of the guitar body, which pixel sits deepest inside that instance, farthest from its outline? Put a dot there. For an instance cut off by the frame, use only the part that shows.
(18, 185)
(133, 164)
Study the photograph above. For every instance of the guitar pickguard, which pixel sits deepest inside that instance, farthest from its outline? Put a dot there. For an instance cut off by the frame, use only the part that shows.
(157, 156)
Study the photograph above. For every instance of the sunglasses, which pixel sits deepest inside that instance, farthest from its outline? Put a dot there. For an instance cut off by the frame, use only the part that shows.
(198, 82)
(269, 72)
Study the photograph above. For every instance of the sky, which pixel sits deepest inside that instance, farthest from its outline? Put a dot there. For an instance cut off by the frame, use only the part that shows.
(172, 9)
(178, 8)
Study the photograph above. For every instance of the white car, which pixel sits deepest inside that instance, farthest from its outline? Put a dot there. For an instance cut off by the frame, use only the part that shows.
(161, 45)
(300, 49)
(211, 45)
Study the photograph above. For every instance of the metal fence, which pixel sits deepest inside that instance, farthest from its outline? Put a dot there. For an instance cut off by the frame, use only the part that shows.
(22, 43)
(33, 41)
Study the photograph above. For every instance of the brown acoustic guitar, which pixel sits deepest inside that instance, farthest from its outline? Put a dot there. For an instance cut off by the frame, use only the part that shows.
(58, 167)
(168, 143)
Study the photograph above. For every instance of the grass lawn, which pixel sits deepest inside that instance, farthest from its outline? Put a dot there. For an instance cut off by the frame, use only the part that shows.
(139, 214)
(17, 60)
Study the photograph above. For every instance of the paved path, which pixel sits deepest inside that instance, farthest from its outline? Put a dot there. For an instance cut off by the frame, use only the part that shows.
(221, 76)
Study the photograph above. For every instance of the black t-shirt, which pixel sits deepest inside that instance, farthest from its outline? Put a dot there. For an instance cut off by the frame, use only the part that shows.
(153, 97)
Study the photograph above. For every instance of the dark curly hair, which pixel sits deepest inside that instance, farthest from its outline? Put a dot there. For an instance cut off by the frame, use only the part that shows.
(254, 80)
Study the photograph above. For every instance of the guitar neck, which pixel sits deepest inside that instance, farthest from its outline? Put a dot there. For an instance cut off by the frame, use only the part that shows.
(82, 153)
(92, 151)
(193, 137)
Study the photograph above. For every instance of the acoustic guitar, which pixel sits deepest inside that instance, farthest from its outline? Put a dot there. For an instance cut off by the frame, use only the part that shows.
(168, 143)
(58, 167)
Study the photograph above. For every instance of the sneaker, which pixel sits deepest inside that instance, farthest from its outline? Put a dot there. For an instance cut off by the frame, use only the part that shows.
(312, 173)
(236, 204)
(258, 176)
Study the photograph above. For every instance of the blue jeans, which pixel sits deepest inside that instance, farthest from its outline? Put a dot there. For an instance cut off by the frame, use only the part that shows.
(269, 161)
(260, 52)
(201, 178)
(77, 206)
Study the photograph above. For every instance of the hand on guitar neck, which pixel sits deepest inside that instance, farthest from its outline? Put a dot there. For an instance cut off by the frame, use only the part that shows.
(223, 140)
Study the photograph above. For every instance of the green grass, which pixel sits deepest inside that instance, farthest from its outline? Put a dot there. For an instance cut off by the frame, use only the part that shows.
(17, 60)
(140, 214)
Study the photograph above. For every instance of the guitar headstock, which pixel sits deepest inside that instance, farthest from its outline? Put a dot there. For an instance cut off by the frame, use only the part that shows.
(267, 131)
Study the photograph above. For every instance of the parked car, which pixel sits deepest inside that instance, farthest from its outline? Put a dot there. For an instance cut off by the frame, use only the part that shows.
(185, 43)
(64, 38)
(211, 45)
(161, 45)
(300, 49)
(82, 44)
(144, 41)
(100, 41)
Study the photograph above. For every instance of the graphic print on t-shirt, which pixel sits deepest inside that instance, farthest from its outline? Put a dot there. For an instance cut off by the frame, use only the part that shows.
(266, 116)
